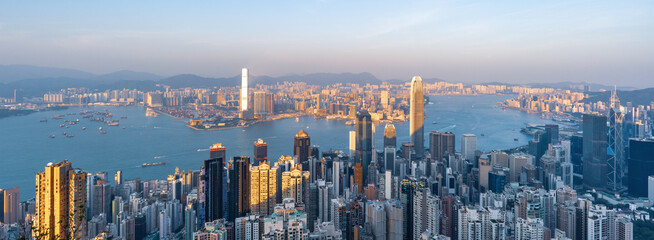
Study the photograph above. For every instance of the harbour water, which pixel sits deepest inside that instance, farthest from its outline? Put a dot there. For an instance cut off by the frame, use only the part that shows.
(26, 147)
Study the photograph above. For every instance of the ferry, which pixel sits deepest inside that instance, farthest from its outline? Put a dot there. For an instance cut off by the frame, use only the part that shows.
(112, 123)
(153, 164)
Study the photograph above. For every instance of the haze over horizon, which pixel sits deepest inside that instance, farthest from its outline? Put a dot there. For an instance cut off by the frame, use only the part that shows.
(600, 42)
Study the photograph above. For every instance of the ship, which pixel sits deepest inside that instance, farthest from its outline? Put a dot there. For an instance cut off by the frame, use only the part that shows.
(44, 120)
(482, 135)
(83, 128)
(123, 117)
(51, 136)
(112, 123)
(103, 132)
(515, 139)
(70, 136)
(63, 133)
(123, 127)
(153, 164)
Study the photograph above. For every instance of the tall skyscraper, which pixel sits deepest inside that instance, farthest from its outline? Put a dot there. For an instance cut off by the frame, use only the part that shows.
(260, 151)
(270, 104)
(641, 166)
(440, 143)
(468, 146)
(263, 189)
(10, 199)
(353, 142)
(244, 89)
(239, 188)
(417, 116)
(390, 137)
(260, 103)
(118, 177)
(616, 161)
(363, 129)
(60, 200)
(302, 148)
(215, 186)
(595, 151)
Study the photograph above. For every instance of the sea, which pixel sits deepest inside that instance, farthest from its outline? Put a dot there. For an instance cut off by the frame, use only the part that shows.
(25, 147)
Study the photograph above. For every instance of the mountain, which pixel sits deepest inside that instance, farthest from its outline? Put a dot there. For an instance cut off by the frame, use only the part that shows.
(191, 80)
(577, 86)
(636, 97)
(11, 73)
(129, 75)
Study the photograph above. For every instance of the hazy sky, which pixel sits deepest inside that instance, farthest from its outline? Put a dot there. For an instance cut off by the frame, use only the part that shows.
(609, 42)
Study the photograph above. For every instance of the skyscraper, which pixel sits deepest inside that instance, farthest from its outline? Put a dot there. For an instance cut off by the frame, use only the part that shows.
(260, 151)
(390, 137)
(263, 188)
(239, 184)
(468, 146)
(215, 185)
(260, 103)
(244, 89)
(364, 141)
(60, 200)
(10, 202)
(440, 143)
(641, 166)
(616, 163)
(417, 116)
(302, 148)
(292, 185)
(595, 151)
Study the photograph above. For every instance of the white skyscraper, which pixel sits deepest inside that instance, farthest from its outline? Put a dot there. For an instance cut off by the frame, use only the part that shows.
(468, 146)
(244, 89)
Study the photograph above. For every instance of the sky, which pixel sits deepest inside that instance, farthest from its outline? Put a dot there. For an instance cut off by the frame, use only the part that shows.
(606, 42)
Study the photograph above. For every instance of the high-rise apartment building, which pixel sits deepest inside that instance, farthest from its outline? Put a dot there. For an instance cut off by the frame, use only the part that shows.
(60, 200)
(468, 146)
(417, 116)
(641, 165)
(10, 199)
(263, 189)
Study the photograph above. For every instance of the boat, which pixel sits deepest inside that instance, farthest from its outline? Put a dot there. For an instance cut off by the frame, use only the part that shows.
(83, 128)
(153, 164)
(62, 125)
(63, 133)
(103, 132)
(123, 117)
(434, 122)
(112, 123)
(482, 135)
(123, 127)
(100, 128)
(51, 136)
(297, 119)
(515, 139)
(44, 120)
(70, 136)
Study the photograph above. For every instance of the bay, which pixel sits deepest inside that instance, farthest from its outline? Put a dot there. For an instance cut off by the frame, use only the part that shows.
(25, 147)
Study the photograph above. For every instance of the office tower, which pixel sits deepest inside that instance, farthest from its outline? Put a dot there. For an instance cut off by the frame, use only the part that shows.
(302, 148)
(616, 160)
(376, 218)
(407, 193)
(468, 146)
(484, 168)
(60, 200)
(641, 165)
(384, 99)
(324, 196)
(595, 151)
(190, 222)
(389, 158)
(353, 142)
(516, 163)
(364, 142)
(118, 177)
(336, 177)
(441, 143)
(270, 104)
(239, 184)
(390, 137)
(496, 181)
(417, 116)
(260, 151)
(650, 188)
(358, 177)
(500, 159)
(217, 150)
(551, 134)
(244, 89)
(263, 188)
(9, 201)
(215, 186)
(260, 103)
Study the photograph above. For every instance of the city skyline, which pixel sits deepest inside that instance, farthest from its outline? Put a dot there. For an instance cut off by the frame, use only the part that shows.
(598, 42)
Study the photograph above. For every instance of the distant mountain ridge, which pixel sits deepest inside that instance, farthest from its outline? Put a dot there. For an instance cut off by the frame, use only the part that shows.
(12, 73)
